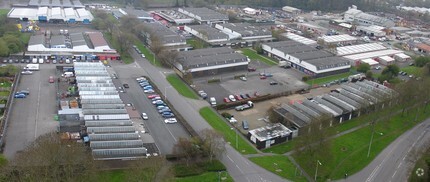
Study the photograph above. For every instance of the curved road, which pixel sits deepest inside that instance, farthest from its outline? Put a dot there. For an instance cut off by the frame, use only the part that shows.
(239, 167)
(396, 161)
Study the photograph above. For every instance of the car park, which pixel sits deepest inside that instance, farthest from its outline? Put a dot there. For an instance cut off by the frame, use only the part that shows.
(231, 97)
(144, 116)
(126, 85)
(170, 120)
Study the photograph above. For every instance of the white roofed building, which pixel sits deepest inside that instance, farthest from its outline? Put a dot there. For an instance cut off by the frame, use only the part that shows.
(359, 17)
(336, 39)
(51, 14)
(299, 38)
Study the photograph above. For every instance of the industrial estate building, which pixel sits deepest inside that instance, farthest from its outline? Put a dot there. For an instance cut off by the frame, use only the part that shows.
(299, 38)
(342, 105)
(210, 61)
(267, 136)
(245, 31)
(139, 14)
(336, 40)
(172, 16)
(307, 59)
(359, 17)
(164, 37)
(55, 11)
(207, 33)
(204, 15)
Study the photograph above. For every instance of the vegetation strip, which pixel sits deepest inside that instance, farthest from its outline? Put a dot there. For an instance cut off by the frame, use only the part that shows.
(255, 56)
(279, 165)
(181, 87)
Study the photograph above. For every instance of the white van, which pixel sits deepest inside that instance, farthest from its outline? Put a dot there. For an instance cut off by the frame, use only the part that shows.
(68, 74)
(212, 100)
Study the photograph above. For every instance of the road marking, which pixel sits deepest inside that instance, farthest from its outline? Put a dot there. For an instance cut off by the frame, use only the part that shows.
(399, 165)
(37, 111)
(174, 138)
(394, 174)
(137, 65)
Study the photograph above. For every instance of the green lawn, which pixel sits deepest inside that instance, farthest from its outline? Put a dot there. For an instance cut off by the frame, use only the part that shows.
(25, 37)
(323, 80)
(4, 93)
(207, 177)
(279, 165)
(412, 70)
(148, 54)
(112, 176)
(349, 152)
(255, 56)
(5, 84)
(181, 87)
(221, 126)
(196, 43)
(4, 11)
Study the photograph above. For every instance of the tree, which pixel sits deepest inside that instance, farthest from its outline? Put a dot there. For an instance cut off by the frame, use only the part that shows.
(258, 47)
(369, 74)
(188, 148)
(49, 158)
(389, 73)
(422, 61)
(167, 57)
(4, 49)
(213, 144)
(363, 67)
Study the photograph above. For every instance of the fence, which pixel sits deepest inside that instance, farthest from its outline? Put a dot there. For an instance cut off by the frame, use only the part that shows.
(5, 119)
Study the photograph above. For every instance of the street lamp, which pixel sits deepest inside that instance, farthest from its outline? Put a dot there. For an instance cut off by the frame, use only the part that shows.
(316, 169)
(165, 92)
(219, 175)
(371, 138)
(236, 137)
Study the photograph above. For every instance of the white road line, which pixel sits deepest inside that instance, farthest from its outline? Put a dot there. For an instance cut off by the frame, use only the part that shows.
(174, 138)
(239, 169)
(137, 65)
(394, 174)
(230, 159)
(399, 165)
(37, 112)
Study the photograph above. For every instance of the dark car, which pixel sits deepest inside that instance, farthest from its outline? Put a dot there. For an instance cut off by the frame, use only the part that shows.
(16, 60)
(22, 60)
(251, 69)
(167, 115)
(273, 83)
(249, 96)
(126, 85)
(27, 61)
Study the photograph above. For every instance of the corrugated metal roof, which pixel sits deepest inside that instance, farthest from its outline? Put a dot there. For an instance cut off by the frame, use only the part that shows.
(103, 106)
(107, 117)
(119, 153)
(103, 111)
(111, 129)
(116, 144)
(113, 136)
(108, 123)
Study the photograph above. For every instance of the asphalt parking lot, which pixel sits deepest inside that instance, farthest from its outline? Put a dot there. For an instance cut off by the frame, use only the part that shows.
(164, 135)
(286, 79)
(32, 116)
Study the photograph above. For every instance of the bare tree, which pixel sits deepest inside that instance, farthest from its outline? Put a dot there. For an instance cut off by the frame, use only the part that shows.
(213, 143)
(188, 148)
(167, 57)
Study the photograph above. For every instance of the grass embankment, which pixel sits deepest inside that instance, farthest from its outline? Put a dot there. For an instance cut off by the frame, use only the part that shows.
(221, 126)
(25, 37)
(125, 56)
(349, 152)
(279, 165)
(420, 173)
(148, 54)
(207, 177)
(255, 56)
(181, 87)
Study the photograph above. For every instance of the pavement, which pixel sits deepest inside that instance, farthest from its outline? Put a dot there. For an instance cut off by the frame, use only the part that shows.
(238, 166)
(396, 161)
(164, 135)
(32, 116)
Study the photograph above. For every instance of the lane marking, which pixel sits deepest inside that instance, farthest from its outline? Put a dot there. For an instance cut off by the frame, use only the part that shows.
(394, 174)
(174, 138)
(37, 111)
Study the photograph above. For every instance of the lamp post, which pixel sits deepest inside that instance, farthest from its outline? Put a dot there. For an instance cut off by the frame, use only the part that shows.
(236, 137)
(316, 169)
(371, 138)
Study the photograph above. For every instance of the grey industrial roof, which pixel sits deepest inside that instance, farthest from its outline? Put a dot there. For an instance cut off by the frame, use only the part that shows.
(163, 33)
(119, 153)
(56, 3)
(270, 131)
(304, 119)
(137, 12)
(355, 97)
(313, 54)
(336, 101)
(111, 129)
(329, 105)
(328, 62)
(104, 111)
(360, 93)
(36, 39)
(316, 107)
(103, 106)
(206, 14)
(205, 52)
(102, 101)
(113, 136)
(346, 99)
(210, 32)
(220, 59)
(77, 39)
(116, 144)
(306, 110)
(248, 30)
(375, 95)
(108, 123)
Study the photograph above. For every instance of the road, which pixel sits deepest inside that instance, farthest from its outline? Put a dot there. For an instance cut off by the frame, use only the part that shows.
(239, 167)
(165, 135)
(32, 116)
(394, 163)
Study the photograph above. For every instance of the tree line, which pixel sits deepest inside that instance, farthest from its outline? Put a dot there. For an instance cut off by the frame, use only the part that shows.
(10, 41)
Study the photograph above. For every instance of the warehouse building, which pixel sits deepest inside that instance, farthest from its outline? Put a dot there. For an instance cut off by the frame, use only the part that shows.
(270, 135)
(361, 48)
(359, 17)
(245, 31)
(347, 102)
(291, 10)
(337, 40)
(299, 38)
(109, 130)
(172, 16)
(355, 59)
(307, 59)
(372, 30)
(55, 3)
(211, 61)
(313, 29)
(51, 14)
(164, 36)
(204, 15)
(206, 33)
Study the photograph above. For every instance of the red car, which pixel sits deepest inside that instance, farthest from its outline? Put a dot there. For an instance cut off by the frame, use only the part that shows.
(237, 97)
(251, 69)
(153, 96)
(263, 77)
(51, 79)
(226, 100)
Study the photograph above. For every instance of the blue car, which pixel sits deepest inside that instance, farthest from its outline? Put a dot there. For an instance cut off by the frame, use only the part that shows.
(158, 102)
(20, 95)
(165, 109)
(167, 115)
(148, 87)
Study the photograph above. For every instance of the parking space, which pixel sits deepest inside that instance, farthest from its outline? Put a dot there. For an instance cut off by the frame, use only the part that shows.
(165, 135)
(32, 116)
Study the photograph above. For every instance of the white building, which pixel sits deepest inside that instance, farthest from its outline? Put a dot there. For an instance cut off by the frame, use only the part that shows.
(245, 30)
(357, 16)
(361, 48)
(337, 39)
(206, 33)
(291, 10)
(386, 60)
(299, 38)
(46, 14)
(251, 11)
(372, 30)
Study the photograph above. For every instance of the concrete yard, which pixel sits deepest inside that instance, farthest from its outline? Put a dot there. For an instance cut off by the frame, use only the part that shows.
(32, 116)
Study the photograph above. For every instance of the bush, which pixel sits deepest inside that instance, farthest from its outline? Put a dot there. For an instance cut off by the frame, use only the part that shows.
(214, 80)
(306, 78)
(226, 115)
(215, 165)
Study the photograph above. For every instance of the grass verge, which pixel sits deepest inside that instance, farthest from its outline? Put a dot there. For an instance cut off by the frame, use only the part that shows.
(255, 56)
(322, 80)
(207, 177)
(5, 84)
(279, 165)
(4, 93)
(420, 172)
(4, 11)
(181, 87)
(148, 54)
(412, 70)
(348, 153)
(229, 135)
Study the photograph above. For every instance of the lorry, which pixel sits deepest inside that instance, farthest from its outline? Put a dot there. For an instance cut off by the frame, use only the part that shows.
(32, 67)
(248, 105)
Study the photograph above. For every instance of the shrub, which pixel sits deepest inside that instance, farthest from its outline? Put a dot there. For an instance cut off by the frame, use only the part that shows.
(226, 115)
(306, 78)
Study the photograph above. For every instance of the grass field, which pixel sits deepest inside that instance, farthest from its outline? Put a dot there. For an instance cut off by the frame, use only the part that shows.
(196, 43)
(412, 70)
(4, 11)
(4, 93)
(112, 176)
(6, 84)
(25, 37)
(148, 54)
(279, 165)
(416, 174)
(255, 56)
(229, 135)
(207, 177)
(181, 87)
(349, 152)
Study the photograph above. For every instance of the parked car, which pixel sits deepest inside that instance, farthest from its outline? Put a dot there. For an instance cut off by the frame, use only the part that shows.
(160, 107)
(153, 96)
(203, 94)
(51, 79)
(378, 67)
(158, 102)
(164, 109)
(149, 91)
(143, 55)
(167, 115)
(226, 100)
(27, 72)
(144, 116)
(237, 97)
(54, 61)
(126, 85)
(262, 77)
(170, 120)
(247, 95)
(250, 69)
(243, 78)
(156, 98)
(243, 96)
(231, 97)
(273, 83)
(19, 95)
